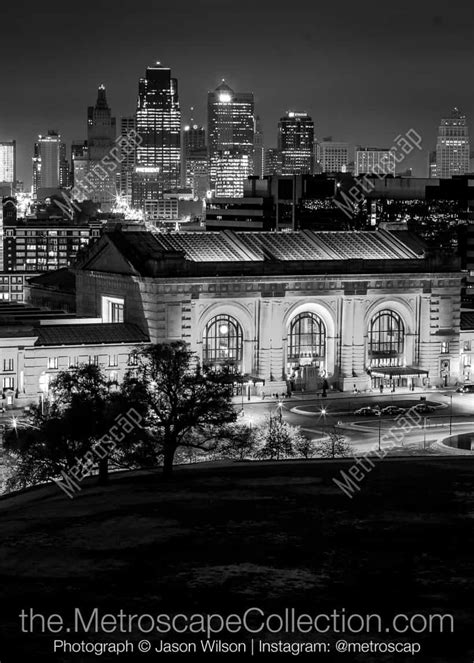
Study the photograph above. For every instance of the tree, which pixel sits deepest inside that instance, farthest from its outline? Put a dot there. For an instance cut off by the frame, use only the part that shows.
(181, 406)
(306, 448)
(238, 442)
(333, 445)
(52, 438)
(276, 439)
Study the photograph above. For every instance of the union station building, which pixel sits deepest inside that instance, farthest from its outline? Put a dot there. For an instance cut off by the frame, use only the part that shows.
(298, 310)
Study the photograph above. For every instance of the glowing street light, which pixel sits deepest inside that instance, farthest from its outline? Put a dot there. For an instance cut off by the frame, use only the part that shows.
(280, 409)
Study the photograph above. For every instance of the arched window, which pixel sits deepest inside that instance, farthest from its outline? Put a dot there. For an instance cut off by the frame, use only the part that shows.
(223, 342)
(386, 339)
(307, 338)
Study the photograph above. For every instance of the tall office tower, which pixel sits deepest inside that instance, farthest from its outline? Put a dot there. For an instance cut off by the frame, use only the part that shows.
(8, 162)
(432, 164)
(258, 149)
(79, 161)
(127, 129)
(46, 160)
(101, 133)
(230, 130)
(296, 143)
(452, 147)
(333, 156)
(193, 149)
(158, 124)
(272, 161)
(374, 161)
(64, 170)
(232, 169)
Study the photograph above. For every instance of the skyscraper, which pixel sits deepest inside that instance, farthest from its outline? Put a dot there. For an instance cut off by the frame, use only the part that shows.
(258, 149)
(127, 125)
(8, 161)
(272, 161)
(231, 128)
(452, 147)
(158, 124)
(101, 133)
(194, 151)
(46, 161)
(296, 143)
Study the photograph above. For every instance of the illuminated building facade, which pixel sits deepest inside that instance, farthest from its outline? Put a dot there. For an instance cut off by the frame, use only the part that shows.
(333, 156)
(194, 159)
(158, 124)
(292, 309)
(8, 161)
(259, 150)
(272, 161)
(296, 143)
(452, 148)
(231, 128)
(46, 161)
(374, 161)
(231, 170)
(127, 165)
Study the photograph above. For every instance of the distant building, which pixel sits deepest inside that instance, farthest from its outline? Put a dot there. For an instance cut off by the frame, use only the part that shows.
(79, 161)
(231, 170)
(432, 164)
(194, 156)
(48, 153)
(333, 156)
(158, 124)
(127, 165)
(452, 147)
(258, 149)
(231, 128)
(272, 162)
(374, 161)
(8, 162)
(296, 143)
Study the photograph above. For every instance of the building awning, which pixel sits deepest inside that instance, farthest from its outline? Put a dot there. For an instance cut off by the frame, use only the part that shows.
(398, 371)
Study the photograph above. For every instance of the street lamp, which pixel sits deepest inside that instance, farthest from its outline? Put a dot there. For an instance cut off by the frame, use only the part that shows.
(451, 416)
(280, 410)
(379, 414)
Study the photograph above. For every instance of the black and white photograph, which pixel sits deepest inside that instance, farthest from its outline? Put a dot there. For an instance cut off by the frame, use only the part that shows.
(237, 331)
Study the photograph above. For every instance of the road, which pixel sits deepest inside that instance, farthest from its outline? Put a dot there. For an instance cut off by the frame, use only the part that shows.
(316, 415)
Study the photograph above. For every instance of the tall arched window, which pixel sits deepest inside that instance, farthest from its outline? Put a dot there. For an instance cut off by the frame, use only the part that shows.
(307, 338)
(386, 339)
(223, 342)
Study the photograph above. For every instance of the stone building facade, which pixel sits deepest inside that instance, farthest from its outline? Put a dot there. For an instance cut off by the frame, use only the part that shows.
(290, 309)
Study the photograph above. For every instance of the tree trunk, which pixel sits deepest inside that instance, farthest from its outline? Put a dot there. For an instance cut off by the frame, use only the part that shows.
(168, 458)
(103, 471)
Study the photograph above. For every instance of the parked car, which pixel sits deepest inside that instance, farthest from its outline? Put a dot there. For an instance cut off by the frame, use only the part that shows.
(424, 408)
(466, 389)
(392, 409)
(367, 411)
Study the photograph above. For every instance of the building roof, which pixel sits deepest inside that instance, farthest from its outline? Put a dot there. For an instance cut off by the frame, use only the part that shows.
(305, 245)
(90, 334)
(60, 279)
(467, 320)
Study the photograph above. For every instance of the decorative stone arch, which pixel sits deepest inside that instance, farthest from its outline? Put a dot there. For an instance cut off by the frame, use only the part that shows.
(242, 316)
(328, 318)
(408, 318)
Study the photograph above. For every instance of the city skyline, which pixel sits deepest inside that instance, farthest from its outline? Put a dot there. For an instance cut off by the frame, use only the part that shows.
(346, 97)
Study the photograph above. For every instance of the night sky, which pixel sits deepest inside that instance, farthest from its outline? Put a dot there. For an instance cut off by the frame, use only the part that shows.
(364, 71)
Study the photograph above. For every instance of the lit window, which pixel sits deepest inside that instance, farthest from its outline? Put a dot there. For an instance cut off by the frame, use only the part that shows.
(223, 342)
(53, 363)
(8, 383)
(444, 347)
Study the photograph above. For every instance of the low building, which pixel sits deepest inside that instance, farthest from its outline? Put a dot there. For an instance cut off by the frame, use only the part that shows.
(35, 345)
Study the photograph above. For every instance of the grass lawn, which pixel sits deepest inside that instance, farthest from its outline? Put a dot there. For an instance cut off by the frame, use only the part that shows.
(224, 539)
